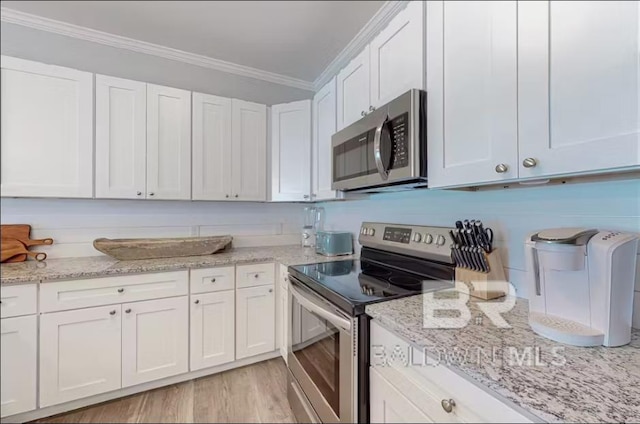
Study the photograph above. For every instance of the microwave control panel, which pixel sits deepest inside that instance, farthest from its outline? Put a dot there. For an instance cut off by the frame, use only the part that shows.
(398, 129)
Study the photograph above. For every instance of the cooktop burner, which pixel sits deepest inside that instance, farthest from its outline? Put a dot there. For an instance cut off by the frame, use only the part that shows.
(377, 276)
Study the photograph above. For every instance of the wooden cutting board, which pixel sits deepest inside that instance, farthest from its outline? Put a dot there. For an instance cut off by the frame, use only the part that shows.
(12, 248)
(21, 233)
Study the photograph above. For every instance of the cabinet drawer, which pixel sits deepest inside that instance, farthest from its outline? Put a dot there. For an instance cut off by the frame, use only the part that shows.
(255, 275)
(426, 383)
(76, 294)
(18, 300)
(212, 279)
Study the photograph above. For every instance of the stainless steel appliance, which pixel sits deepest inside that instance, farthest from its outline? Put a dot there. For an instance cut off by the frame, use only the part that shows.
(334, 243)
(386, 150)
(328, 349)
(581, 282)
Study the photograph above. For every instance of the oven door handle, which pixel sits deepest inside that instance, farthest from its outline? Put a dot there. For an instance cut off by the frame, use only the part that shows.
(332, 317)
(377, 149)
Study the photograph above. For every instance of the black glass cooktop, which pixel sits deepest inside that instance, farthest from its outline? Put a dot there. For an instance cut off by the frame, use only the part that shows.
(377, 276)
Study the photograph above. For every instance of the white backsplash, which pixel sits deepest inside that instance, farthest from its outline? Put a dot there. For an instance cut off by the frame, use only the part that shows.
(512, 213)
(74, 223)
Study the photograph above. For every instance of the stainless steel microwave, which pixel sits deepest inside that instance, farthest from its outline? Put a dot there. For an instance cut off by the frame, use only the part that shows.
(386, 150)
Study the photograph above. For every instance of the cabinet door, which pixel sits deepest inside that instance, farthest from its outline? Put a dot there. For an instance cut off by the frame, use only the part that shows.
(211, 147)
(80, 353)
(47, 130)
(472, 92)
(397, 55)
(324, 126)
(353, 90)
(282, 311)
(578, 86)
(388, 405)
(212, 329)
(255, 321)
(155, 339)
(291, 151)
(168, 143)
(121, 138)
(19, 346)
(249, 151)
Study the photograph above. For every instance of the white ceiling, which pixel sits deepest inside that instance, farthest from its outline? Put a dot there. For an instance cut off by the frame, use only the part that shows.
(293, 38)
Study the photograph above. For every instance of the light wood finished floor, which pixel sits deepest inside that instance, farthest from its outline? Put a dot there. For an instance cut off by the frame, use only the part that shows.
(252, 394)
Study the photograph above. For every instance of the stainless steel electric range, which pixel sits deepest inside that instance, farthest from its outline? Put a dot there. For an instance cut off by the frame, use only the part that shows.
(328, 355)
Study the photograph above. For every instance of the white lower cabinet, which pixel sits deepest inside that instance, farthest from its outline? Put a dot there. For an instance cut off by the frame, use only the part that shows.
(388, 405)
(212, 319)
(155, 339)
(80, 353)
(18, 364)
(282, 313)
(255, 321)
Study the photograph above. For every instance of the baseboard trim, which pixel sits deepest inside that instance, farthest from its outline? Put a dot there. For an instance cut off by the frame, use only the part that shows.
(127, 391)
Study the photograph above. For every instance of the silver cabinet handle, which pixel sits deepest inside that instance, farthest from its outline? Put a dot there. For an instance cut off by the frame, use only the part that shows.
(120, 290)
(112, 312)
(447, 405)
(213, 280)
(128, 311)
(501, 168)
(529, 163)
(196, 302)
(363, 113)
(306, 196)
(139, 193)
(151, 194)
(371, 108)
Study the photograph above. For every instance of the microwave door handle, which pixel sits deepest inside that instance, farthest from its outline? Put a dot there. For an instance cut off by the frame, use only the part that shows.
(319, 310)
(377, 150)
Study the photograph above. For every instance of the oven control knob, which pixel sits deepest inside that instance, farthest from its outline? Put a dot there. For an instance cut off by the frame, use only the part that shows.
(440, 240)
(417, 237)
(428, 238)
(372, 231)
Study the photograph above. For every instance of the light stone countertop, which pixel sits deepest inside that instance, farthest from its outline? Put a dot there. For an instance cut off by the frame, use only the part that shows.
(102, 266)
(595, 384)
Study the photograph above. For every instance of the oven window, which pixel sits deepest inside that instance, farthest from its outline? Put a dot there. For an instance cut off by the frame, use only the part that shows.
(316, 345)
(354, 158)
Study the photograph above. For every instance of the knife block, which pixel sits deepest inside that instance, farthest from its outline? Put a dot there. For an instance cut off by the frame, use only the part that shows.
(485, 285)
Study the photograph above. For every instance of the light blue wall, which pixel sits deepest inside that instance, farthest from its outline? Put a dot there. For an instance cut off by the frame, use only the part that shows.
(512, 213)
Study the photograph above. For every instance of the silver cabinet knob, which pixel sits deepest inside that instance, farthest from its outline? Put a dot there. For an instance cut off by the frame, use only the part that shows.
(196, 302)
(371, 108)
(128, 311)
(236, 196)
(501, 168)
(112, 312)
(270, 290)
(152, 194)
(226, 195)
(447, 405)
(120, 290)
(363, 113)
(213, 280)
(306, 196)
(529, 163)
(256, 276)
(139, 193)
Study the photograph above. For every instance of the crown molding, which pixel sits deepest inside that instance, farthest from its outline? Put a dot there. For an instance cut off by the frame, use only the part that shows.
(82, 33)
(377, 22)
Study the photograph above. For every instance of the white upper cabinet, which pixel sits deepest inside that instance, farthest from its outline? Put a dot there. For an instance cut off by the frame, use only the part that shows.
(324, 126)
(211, 147)
(249, 150)
(397, 55)
(578, 86)
(46, 130)
(121, 116)
(353, 90)
(291, 151)
(168, 143)
(472, 92)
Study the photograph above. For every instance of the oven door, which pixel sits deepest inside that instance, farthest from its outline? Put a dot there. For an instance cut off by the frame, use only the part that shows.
(322, 357)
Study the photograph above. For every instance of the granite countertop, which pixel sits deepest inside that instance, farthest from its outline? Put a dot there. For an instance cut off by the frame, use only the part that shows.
(102, 266)
(594, 384)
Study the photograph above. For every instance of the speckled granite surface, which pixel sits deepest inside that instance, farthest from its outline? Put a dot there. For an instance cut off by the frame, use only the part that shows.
(102, 266)
(594, 384)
